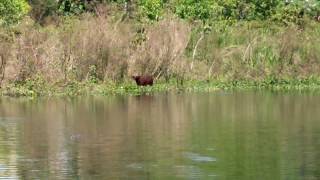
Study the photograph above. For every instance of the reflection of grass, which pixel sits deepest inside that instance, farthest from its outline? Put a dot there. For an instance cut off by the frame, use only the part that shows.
(35, 88)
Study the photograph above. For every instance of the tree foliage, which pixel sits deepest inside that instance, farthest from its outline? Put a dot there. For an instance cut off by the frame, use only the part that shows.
(11, 11)
(294, 11)
(43, 8)
(203, 10)
(246, 9)
(151, 8)
(194, 9)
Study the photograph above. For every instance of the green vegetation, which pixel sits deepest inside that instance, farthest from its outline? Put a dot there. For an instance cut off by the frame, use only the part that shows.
(11, 11)
(36, 88)
(71, 47)
(204, 10)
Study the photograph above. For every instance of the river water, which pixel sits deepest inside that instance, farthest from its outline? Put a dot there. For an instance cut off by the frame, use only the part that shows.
(221, 135)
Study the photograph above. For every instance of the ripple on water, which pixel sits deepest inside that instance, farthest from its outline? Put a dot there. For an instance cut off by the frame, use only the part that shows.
(188, 171)
(10, 118)
(9, 121)
(135, 166)
(2, 168)
(198, 157)
(5, 174)
(192, 172)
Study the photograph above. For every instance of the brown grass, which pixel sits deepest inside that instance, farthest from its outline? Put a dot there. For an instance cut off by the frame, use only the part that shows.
(162, 53)
(63, 53)
(113, 50)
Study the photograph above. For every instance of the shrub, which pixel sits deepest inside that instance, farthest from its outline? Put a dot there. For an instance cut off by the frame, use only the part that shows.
(12, 11)
(41, 9)
(294, 11)
(162, 53)
(197, 10)
(152, 9)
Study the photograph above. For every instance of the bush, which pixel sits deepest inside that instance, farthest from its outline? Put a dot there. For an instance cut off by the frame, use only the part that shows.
(12, 11)
(41, 9)
(197, 10)
(162, 53)
(68, 7)
(279, 10)
(294, 12)
(152, 9)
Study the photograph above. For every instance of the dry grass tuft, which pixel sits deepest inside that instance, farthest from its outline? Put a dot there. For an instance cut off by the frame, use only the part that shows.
(162, 53)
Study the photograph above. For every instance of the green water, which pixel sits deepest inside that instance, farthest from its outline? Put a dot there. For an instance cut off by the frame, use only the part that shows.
(244, 135)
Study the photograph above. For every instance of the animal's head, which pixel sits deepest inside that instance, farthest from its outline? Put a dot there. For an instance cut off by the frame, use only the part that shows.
(135, 77)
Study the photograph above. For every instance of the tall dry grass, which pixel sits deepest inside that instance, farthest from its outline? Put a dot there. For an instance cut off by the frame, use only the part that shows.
(66, 53)
(113, 50)
(69, 51)
(162, 54)
(248, 53)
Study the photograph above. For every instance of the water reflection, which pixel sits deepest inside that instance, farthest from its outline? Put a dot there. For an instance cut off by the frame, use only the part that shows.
(169, 136)
(199, 158)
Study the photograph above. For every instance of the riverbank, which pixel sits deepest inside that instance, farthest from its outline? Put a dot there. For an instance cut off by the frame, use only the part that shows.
(41, 89)
(71, 58)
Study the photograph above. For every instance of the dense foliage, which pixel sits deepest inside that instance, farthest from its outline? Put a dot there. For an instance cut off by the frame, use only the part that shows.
(205, 10)
(248, 10)
(11, 11)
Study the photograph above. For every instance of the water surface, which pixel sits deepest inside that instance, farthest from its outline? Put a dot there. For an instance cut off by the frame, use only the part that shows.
(239, 135)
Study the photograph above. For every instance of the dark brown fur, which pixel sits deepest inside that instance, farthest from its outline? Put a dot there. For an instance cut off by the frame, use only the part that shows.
(143, 80)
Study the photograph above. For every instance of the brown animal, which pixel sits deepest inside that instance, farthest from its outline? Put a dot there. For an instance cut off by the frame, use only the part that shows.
(143, 80)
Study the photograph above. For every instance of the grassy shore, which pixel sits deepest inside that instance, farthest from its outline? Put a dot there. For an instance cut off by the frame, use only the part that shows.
(41, 89)
(72, 58)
